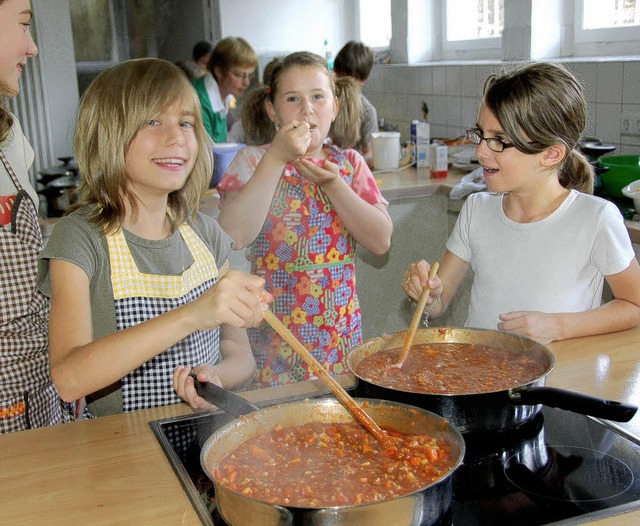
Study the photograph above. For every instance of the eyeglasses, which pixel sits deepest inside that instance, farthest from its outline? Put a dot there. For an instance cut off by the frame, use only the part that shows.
(494, 144)
(242, 75)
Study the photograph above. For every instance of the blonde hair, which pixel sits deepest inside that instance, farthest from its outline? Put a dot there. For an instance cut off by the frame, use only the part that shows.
(543, 102)
(115, 106)
(232, 52)
(345, 130)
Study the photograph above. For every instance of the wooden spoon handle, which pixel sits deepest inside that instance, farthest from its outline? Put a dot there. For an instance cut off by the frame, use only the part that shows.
(357, 411)
(417, 315)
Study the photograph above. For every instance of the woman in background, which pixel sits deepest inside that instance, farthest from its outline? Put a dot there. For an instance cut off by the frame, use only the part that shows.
(230, 71)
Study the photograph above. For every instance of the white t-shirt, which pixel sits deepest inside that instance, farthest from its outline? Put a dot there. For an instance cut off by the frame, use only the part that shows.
(20, 155)
(557, 264)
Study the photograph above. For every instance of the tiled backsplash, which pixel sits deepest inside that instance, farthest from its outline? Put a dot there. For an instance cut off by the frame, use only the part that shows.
(453, 93)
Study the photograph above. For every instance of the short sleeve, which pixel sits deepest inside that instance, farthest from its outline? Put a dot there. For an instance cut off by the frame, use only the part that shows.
(612, 250)
(241, 168)
(364, 184)
(459, 242)
(71, 240)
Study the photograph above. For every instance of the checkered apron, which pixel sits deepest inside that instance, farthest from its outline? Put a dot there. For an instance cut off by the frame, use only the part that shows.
(140, 297)
(28, 399)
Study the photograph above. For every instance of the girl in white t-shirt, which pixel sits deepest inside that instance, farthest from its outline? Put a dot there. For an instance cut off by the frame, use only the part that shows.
(539, 244)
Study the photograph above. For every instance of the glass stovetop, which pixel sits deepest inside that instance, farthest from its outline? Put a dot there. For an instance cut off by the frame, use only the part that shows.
(558, 468)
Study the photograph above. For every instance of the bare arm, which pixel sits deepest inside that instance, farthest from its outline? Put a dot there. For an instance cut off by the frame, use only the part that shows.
(623, 312)
(444, 286)
(81, 365)
(370, 225)
(243, 212)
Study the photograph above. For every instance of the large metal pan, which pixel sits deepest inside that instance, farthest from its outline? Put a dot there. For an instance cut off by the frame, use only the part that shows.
(421, 508)
(493, 411)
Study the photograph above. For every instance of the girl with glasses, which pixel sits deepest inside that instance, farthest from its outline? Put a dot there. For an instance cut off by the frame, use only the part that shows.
(230, 71)
(539, 244)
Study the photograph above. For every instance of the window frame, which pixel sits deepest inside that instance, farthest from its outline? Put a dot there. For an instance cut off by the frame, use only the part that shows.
(604, 41)
(477, 48)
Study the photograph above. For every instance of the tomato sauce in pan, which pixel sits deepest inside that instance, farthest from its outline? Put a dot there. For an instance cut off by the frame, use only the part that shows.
(451, 368)
(326, 465)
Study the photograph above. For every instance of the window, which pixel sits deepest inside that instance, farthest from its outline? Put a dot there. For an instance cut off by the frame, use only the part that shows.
(474, 19)
(473, 28)
(375, 23)
(606, 27)
(599, 14)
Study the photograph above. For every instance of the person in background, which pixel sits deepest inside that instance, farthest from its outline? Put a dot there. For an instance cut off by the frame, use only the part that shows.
(356, 60)
(196, 67)
(230, 71)
(302, 203)
(540, 246)
(28, 398)
(247, 113)
(136, 275)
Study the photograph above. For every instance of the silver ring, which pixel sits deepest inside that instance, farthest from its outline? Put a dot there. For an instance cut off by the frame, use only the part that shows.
(406, 281)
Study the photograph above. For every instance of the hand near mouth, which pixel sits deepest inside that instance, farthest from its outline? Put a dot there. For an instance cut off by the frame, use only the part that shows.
(291, 141)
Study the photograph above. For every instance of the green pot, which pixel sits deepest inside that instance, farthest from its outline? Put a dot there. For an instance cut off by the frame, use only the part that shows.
(623, 169)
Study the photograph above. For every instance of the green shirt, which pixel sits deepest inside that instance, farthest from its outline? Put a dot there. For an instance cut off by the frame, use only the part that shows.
(214, 122)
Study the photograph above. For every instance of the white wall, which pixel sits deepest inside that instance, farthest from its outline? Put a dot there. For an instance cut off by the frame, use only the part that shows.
(289, 25)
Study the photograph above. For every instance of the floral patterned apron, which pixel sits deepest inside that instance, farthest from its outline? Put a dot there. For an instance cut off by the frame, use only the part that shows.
(306, 256)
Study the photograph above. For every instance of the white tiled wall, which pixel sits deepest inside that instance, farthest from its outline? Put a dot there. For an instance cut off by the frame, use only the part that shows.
(452, 92)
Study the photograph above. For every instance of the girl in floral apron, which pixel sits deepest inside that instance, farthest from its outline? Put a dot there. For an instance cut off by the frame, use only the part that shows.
(27, 396)
(302, 203)
(139, 292)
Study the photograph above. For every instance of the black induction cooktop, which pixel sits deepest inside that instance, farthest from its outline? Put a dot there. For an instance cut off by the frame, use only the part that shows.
(557, 468)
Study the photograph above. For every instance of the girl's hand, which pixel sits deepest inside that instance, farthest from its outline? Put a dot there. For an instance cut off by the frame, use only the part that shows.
(238, 299)
(290, 142)
(416, 277)
(538, 326)
(184, 387)
(320, 175)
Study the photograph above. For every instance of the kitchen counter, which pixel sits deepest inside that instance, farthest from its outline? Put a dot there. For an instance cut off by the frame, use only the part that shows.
(112, 470)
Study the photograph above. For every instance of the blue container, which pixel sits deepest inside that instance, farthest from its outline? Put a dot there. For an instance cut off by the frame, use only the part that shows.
(223, 154)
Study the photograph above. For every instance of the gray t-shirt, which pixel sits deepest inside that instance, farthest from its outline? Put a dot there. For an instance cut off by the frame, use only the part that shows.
(75, 240)
(368, 124)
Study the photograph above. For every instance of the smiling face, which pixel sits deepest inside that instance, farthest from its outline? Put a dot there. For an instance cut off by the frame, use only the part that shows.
(510, 170)
(305, 93)
(16, 44)
(163, 152)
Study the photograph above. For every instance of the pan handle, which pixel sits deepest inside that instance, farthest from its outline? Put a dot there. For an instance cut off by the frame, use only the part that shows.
(226, 400)
(576, 402)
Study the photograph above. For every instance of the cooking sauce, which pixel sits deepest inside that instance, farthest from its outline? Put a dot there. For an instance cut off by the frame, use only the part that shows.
(326, 465)
(451, 368)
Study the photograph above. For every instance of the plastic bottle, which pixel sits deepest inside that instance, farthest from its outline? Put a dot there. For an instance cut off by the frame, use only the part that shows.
(328, 54)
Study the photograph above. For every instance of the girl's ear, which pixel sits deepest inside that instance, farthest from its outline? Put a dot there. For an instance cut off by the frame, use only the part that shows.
(271, 112)
(336, 108)
(554, 155)
(217, 74)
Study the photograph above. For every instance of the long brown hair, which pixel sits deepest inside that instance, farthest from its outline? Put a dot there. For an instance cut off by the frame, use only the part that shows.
(543, 102)
(345, 130)
(115, 106)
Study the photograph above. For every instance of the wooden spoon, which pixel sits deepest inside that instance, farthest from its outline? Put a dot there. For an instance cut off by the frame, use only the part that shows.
(415, 321)
(359, 414)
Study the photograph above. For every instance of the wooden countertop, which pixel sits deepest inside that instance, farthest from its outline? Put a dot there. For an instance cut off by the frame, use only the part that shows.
(112, 470)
